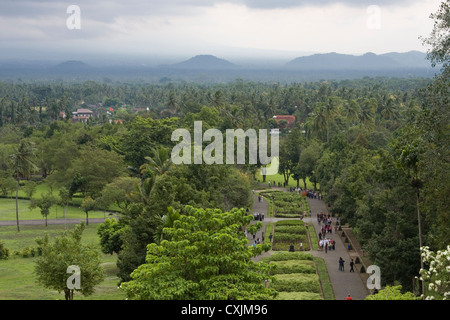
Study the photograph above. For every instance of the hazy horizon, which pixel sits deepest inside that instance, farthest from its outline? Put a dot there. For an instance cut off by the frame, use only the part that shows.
(156, 32)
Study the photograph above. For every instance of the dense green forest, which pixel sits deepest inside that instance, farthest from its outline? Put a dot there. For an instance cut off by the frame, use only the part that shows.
(376, 148)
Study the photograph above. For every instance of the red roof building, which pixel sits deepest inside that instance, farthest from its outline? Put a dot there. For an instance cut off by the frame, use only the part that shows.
(290, 120)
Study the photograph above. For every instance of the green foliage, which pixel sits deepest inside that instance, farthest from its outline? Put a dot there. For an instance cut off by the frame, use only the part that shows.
(4, 252)
(392, 293)
(352, 130)
(296, 282)
(45, 202)
(283, 256)
(68, 250)
(294, 266)
(92, 170)
(206, 256)
(437, 273)
(110, 233)
(7, 183)
(28, 252)
(290, 232)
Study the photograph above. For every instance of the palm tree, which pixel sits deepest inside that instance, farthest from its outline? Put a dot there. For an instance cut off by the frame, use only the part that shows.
(351, 110)
(367, 114)
(323, 114)
(388, 112)
(160, 163)
(22, 162)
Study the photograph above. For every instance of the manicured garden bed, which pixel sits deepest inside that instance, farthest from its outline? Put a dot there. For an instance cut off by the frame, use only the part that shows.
(287, 204)
(295, 276)
(289, 233)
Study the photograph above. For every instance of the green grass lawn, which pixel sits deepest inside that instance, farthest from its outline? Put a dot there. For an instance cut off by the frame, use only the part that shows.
(279, 178)
(8, 211)
(17, 279)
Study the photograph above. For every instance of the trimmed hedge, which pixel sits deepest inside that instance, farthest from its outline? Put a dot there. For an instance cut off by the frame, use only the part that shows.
(290, 232)
(290, 223)
(294, 266)
(285, 255)
(291, 229)
(287, 204)
(289, 237)
(296, 282)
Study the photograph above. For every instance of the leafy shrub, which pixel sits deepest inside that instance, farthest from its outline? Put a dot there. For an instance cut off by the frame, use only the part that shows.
(290, 223)
(288, 237)
(28, 252)
(282, 256)
(4, 252)
(287, 215)
(291, 229)
(294, 266)
(296, 282)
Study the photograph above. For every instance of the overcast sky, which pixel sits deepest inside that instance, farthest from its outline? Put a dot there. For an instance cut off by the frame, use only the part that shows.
(226, 28)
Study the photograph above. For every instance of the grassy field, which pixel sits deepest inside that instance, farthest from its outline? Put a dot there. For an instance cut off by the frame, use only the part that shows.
(17, 279)
(278, 178)
(8, 211)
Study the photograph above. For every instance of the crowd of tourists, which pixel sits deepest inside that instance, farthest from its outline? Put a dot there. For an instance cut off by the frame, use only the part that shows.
(325, 221)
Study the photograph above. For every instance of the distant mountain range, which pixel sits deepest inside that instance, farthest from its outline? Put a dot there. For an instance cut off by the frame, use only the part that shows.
(209, 68)
(327, 61)
(367, 61)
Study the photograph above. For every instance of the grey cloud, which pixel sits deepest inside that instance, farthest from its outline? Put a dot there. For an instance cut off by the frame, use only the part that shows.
(271, 4)
(108, 11)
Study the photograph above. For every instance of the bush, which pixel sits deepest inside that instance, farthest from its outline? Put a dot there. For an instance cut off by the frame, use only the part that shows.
(28, 252)
(4, 252)
(290, 223)
(294, 266)
(296, 282)
(282, 256)
(288, 237)
(298, 296)
(291, 229)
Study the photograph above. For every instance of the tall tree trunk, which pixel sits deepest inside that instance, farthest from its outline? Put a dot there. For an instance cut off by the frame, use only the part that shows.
(419, 221)
(17, 204)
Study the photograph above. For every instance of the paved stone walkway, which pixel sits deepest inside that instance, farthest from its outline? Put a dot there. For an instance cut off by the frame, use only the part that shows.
(343, 282)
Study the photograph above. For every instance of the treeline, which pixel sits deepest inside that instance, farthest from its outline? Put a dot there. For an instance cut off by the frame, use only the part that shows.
(369, 145)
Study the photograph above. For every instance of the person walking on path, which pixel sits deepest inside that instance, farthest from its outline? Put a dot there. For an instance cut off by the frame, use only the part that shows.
(351, 266)
(341, 264)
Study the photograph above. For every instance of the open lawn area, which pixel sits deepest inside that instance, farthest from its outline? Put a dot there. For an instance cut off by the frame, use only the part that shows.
(8, 211)
(279, 178)
(17, 279)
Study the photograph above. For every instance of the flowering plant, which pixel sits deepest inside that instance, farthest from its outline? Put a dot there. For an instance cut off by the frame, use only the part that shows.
(438, 274)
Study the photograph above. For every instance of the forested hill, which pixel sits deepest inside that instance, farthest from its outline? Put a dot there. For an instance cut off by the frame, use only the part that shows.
(368, 61)
(205, 62)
